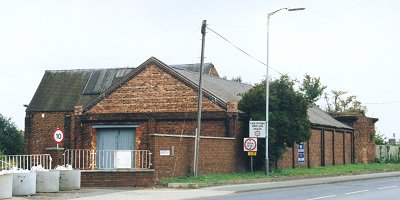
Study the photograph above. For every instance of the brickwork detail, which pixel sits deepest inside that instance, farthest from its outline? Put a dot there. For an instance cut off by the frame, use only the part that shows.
(364, 127)
(153, 90)
(117, 179)
(313, 148)
(216, 155)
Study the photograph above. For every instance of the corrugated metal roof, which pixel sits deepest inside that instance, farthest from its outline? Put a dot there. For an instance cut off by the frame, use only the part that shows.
(319, 117)
(207, 67)
(59, 90)
(62, 90)
(227, 90)
(100, 80)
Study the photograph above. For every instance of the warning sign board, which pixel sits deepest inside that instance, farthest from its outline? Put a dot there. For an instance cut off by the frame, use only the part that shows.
(58, 135)
(257, 129)
(252, 153)
(250, 144)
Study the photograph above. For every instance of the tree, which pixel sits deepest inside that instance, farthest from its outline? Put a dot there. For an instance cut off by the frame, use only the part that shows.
(339, 104)
(379, 138)
(11, 140)
(312, 88)
(288, 119)
(237, 79)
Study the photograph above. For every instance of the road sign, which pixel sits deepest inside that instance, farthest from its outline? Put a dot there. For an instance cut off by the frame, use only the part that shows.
(250, 144)
(257, 129)
(252, 153)
(300, 153)
(58, 136)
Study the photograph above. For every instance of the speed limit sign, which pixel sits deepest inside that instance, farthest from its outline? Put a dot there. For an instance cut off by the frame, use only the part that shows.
(58, 136)
(250, 144)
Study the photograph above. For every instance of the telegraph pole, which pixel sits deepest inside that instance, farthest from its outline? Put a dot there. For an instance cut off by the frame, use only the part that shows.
(197, 139)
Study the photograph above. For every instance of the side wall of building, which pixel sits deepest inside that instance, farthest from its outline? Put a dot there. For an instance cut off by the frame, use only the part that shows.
(326, 147)
(39, 129)
(364, 127)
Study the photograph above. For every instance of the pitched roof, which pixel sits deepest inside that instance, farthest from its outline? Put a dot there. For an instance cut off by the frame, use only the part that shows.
(225, 89)
(319, 117)
(208, 68)
(62, 90)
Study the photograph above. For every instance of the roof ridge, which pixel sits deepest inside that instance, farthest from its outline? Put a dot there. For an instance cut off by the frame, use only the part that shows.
(91, 69)
(216, 77)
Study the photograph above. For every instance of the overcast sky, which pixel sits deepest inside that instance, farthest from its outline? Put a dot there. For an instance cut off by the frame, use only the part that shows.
(352, 46)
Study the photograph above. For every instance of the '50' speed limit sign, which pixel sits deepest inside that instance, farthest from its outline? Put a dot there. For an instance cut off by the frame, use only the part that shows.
(250, 144)
(58, 135)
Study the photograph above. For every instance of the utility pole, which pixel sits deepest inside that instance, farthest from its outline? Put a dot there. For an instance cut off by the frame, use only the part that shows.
(200, 97)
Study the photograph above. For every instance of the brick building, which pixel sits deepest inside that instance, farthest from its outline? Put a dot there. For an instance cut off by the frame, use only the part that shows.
(331, 143)
(364, 128)
(113, 119)
(152, 107)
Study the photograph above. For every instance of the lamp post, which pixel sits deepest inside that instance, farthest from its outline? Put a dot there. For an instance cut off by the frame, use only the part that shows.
(267, 87)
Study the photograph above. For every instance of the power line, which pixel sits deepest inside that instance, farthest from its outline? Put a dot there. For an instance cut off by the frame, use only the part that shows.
(248, 54)
(185, 44)
(381, 103)
(295, 80)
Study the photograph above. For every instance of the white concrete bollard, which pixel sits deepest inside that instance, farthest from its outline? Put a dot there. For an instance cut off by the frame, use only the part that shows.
(70, 180)
(48, 181)
(6, 181)
(24, 183)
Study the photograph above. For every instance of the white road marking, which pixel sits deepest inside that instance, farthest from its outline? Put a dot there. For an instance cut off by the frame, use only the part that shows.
(382, 188)
(324, 197)
(357, 192)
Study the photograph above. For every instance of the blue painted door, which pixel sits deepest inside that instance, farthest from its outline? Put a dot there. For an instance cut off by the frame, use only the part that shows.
(111, 139)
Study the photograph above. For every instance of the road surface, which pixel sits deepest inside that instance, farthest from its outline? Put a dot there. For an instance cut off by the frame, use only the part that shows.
(385, 188)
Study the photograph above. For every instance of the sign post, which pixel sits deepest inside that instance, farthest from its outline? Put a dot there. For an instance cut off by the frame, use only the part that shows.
(58, 136)
(250, 145)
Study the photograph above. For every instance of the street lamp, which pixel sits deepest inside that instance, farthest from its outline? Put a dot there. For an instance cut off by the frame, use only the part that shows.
(267, 87)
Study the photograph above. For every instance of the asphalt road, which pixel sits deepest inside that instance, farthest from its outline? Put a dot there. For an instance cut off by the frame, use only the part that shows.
(384, 188)
(365, 186)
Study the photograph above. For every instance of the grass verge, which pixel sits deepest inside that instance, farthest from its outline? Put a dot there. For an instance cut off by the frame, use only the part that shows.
(285, 174)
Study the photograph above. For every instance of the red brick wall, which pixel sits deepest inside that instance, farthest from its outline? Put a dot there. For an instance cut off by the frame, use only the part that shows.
(365, 145)
(315, 148)
(153, 90)
(41, 132)
(312, 150)
(216, 155)
(328, 148)
(348, 149)
(117, 179)
(287, 159)
(364, 127)
(338, 146)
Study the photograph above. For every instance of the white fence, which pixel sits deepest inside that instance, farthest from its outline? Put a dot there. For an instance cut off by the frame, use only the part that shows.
(25, 161)
(107, 159)
(387, 152)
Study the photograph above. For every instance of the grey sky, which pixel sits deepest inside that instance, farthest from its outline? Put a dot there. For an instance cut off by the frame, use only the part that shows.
(351, 45)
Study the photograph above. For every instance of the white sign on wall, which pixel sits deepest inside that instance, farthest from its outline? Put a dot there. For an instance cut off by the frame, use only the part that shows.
(165, 152)
(257, 129)
(123, 159)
